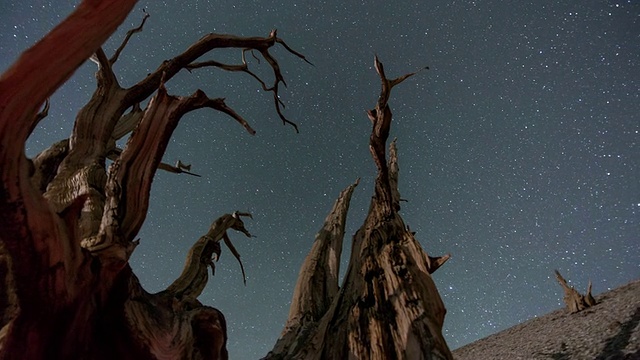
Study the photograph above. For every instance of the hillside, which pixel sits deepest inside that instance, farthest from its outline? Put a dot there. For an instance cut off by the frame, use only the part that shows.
(608, 330)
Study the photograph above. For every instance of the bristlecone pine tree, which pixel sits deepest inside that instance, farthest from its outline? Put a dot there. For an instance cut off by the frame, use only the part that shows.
(572, 298)
(388, 306)
(68, 225)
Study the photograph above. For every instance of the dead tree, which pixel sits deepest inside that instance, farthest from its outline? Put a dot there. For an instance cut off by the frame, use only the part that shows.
(572, 298)
(388, 306)
(68, 226)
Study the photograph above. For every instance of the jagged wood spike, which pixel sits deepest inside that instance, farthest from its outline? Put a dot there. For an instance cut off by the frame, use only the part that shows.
(317, 283)
(435, 263)
(323, 264)
(589, 299)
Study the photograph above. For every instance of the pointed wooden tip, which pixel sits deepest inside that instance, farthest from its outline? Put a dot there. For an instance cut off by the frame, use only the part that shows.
(436, 262)
(378, 65)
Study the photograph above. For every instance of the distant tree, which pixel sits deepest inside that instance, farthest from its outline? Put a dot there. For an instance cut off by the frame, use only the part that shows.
(68, 226)
(572, 298)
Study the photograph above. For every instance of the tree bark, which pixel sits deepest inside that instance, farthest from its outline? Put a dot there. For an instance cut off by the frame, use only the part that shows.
(388, 306)
(69, 225)
(575, 301)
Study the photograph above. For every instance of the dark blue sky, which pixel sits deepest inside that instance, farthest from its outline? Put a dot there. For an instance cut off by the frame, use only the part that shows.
(519, 149)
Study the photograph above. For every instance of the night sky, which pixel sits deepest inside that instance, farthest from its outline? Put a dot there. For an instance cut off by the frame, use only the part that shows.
(519, 149)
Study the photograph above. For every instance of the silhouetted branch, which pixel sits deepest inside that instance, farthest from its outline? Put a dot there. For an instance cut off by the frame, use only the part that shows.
(115, 56)
(187, 59)
(380, 118)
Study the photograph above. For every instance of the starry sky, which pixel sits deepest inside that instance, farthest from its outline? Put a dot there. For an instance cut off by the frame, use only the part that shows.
(519, 149)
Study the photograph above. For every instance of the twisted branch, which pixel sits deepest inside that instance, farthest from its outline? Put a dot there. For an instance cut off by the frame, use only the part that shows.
(187, 59)
(204, 252)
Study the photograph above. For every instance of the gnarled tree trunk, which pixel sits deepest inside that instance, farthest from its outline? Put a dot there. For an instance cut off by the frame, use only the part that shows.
(388, 306)
(68, 225)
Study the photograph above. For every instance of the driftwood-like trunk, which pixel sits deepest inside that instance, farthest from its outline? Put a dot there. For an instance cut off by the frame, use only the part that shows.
(388, 306)
(68, 226)
(572, 298)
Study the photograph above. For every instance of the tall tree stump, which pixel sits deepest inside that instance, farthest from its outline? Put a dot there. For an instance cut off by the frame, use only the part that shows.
(572, 298)
(388, 306)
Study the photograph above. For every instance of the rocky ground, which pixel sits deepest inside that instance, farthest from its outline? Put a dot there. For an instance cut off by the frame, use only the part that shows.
(608, 330)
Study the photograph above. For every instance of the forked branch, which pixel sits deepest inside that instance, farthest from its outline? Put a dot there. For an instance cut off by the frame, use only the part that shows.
(380, 117)
(187, 60)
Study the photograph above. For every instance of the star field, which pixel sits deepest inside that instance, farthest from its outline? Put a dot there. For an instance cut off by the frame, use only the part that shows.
(519, 149)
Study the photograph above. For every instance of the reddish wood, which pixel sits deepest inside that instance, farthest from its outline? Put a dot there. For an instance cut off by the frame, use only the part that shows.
(68, 226)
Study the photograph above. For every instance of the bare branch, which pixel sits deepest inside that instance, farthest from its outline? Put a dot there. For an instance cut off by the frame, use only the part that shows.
(242, 68)
(253, 55)
(200, 100)
(179, 168)
(45, 111)
(245, 68)
(217, 64)
(402, 78)
(388, 84)
(235, 253)
(100, 124)
(175, 169)
(115, 56)
(187, 59)
(239, 224)
(380, 118)
(289, 49)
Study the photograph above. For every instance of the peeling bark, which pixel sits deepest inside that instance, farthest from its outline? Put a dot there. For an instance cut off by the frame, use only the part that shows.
(69, 226)
(575, 301)
(388, 306)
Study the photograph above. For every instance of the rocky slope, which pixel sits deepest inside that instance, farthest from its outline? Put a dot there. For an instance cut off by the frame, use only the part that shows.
(608, 330)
